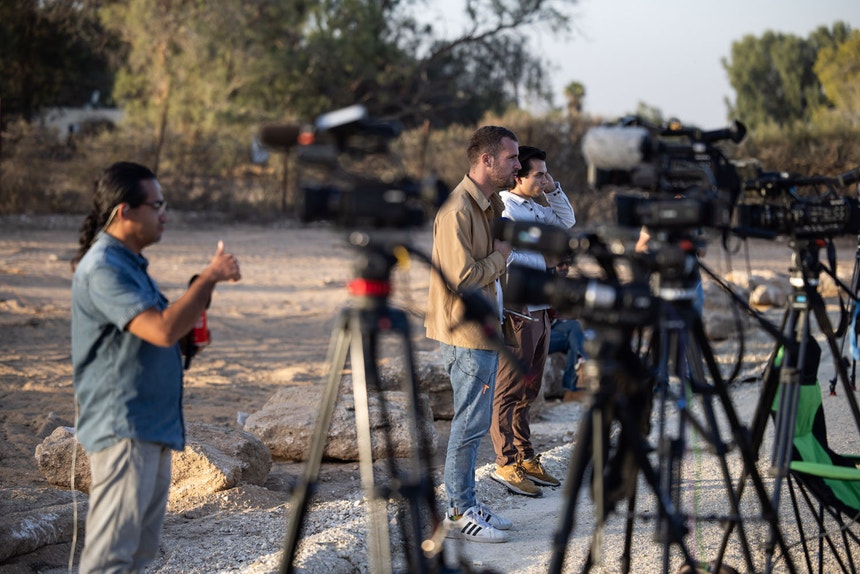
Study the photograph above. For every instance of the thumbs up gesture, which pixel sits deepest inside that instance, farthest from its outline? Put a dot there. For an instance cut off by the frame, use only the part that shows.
(224, 266)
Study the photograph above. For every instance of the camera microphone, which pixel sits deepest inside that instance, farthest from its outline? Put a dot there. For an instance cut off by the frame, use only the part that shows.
(616, 147)
(285, 136)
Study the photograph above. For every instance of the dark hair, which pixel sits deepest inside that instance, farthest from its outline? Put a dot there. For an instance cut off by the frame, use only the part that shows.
(487, 139)
(120, 183)
(527, 154)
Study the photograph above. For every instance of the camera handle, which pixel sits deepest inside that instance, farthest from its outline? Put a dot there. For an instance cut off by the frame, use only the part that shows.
(355, 335)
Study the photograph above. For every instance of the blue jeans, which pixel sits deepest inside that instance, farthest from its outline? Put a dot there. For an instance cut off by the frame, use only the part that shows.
(567, 336)
(473, 379)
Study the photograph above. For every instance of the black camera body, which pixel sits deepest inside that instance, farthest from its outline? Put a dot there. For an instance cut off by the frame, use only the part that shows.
(599, 301)
(347, 173)
(773, 208)
(363, 203)
(684, 179)
(605, 300)
(806, 218)
(681, 213)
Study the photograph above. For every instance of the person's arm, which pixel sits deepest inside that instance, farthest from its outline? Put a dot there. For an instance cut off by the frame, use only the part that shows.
(560, 210)
(531, 259)
(517, 210)
(165, 328)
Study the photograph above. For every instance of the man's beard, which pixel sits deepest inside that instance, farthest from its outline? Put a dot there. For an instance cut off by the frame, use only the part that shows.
(504, 183)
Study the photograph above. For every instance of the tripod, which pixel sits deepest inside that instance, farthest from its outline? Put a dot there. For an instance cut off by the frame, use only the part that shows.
(356, 332)
(622, 390)
(804, 303)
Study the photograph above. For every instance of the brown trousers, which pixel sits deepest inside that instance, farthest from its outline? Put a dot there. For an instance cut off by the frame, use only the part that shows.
(515, 392)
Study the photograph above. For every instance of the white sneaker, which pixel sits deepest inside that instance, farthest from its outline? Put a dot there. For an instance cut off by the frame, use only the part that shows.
(493, 519)
(471, 526)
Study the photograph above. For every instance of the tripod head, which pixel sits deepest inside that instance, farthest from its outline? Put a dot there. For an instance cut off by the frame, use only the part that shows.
(377, 256)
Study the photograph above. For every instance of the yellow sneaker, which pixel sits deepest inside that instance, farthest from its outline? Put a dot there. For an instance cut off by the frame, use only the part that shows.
(512, 476)
(534, 470)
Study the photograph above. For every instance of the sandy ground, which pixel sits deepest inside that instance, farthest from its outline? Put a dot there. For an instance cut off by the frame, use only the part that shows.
(272, 329)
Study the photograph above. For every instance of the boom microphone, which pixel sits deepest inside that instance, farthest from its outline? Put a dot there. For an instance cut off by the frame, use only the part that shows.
(284, 136)
(616, 147)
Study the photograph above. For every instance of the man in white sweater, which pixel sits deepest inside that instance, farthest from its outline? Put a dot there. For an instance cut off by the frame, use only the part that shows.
(517, 465)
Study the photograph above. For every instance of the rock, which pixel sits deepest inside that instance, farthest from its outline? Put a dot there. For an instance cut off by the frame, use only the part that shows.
(722, 326)
(37, 517)
(431, 378)
(769, 295)
(288, 420)
(553, 373)
(215, 458)
(828, 287)
(54, 457)
(750, 281)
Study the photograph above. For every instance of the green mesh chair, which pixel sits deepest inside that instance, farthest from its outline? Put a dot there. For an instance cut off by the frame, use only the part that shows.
(828, 483)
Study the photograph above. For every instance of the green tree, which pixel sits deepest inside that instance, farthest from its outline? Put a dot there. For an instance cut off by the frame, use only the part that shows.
(773, 76)
(52, 53)
(191, 68)
(190, 64)
(838, 69)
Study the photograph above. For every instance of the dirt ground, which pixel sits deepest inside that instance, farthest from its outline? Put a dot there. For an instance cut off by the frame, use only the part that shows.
(271, 328)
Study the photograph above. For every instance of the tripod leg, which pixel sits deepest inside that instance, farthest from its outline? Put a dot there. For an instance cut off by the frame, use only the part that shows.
(743, 443)
(712, 432)
(379, 550)
(626, 557)
(412, 486)
(338, 346)
(419, 477)
(572, 485)
(824, 324)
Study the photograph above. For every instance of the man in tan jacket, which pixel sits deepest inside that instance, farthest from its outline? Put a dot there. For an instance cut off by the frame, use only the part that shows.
(469, 258)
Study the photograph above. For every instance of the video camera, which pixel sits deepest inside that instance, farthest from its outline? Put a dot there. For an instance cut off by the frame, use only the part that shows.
(604, 300)
(773, 207)
(347, 173)
(685, 179)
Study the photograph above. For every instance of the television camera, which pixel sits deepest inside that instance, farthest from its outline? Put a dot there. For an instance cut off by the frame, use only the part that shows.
(773, 206)
(347, 173)
(605, 299)
(685, 180)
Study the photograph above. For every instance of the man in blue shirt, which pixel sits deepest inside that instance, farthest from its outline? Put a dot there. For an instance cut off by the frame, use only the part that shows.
(128, 366)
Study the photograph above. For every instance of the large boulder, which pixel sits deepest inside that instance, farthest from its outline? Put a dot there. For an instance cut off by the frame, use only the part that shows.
(430, 376)
(37, 517)
(218, 458)
(288, 420)
(215, 458)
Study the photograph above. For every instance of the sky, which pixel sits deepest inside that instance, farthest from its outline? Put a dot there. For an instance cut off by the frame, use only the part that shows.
(665, 53)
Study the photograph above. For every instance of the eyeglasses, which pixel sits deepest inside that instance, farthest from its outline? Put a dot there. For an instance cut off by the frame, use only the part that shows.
(159, 204)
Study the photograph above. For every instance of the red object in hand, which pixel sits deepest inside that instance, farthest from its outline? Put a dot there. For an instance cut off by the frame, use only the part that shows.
(201, 331)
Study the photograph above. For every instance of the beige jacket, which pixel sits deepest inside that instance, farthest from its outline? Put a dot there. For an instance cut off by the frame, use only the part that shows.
(463, 250)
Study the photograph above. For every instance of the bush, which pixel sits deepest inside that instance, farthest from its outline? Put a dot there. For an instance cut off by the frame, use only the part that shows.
(212, 171)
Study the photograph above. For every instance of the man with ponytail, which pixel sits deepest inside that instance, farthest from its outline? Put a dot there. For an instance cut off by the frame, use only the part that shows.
(128, 366)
